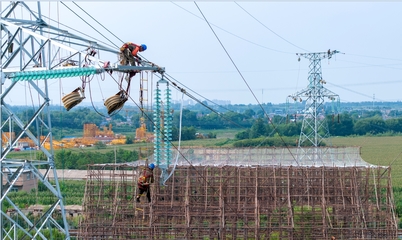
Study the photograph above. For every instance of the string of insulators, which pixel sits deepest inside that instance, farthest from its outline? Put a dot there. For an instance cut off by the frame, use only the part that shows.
(55, 73)
(168, 126)
(157, 126)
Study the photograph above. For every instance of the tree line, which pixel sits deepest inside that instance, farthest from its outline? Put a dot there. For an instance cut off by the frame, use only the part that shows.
(255, 123)
(67, 159)
(344, 124)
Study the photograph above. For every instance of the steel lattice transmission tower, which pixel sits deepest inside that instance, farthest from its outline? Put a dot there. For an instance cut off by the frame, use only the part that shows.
(314, 127)
(33, 52)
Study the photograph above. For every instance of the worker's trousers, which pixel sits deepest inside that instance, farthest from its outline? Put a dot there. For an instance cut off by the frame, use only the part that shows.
(142, 190)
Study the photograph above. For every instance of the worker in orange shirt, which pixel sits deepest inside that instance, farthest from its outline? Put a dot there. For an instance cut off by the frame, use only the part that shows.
(128, 55)
(129, 52)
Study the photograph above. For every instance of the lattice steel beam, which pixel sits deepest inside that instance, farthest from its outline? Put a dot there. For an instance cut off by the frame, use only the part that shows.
(314, 127)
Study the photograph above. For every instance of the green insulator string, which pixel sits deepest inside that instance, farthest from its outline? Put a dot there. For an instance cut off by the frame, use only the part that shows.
(168, 127)
(163, 129)
(157, 127)
(55, 73)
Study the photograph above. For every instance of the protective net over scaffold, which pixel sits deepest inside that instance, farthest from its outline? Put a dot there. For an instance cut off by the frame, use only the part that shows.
(326, 156)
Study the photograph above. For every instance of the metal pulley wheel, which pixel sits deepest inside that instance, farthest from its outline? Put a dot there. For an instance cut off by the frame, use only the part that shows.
(73, 98)
(116, 102)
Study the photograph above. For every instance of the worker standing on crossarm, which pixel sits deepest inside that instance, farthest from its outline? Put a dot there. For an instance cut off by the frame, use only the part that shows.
(129, 53)
(144, 181)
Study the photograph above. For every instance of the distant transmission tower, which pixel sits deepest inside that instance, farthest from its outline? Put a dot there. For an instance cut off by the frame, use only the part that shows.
(314, 127)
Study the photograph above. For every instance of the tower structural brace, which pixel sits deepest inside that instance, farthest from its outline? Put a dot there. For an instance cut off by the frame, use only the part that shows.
(314, 126)
(32, 53)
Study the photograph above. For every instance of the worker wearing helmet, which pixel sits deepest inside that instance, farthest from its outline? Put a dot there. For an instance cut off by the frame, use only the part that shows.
(128, 55)
(146, 178)
(129, 52)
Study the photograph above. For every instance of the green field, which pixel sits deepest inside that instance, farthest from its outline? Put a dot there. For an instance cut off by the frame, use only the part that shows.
(384, 151)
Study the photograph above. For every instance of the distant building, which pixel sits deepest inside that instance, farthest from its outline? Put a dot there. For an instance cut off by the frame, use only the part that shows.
(91, 130)
(26, 182)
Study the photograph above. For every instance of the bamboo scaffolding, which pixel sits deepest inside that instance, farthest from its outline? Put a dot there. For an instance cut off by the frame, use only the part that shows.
(225, 198)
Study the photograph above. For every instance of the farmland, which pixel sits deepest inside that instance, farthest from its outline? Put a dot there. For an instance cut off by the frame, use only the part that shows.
(378, 150)
(385, 151)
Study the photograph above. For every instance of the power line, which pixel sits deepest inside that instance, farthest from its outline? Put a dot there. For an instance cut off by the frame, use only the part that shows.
(244, 80)
(86, 22)
(262, 46)
(259, 45)
(84, 34)
(101, 25)
(394, 59)
(227, 53)
(269, 28)
(372, 65)
(350, 90)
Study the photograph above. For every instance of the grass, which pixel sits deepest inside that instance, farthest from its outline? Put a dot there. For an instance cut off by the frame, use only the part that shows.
(384, 151)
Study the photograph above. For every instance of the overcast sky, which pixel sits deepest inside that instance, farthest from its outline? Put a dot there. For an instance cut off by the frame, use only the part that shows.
(251, 45)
